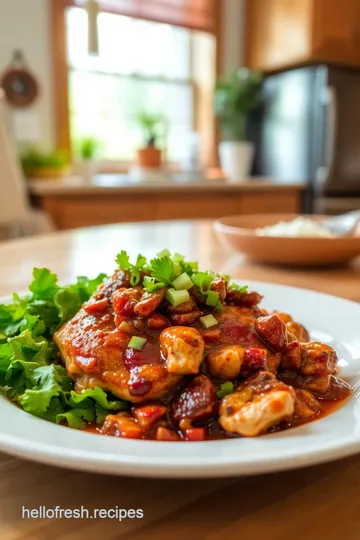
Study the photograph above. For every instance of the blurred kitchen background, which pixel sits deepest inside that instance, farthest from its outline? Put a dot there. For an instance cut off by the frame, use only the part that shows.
(133, 110)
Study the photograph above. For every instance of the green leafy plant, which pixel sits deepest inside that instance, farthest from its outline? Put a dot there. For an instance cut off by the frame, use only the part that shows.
(235, 96)
(149, 124)
(33, 158)
(88, 148)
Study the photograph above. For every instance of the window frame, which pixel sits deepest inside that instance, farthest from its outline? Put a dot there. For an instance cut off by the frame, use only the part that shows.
(61, 69)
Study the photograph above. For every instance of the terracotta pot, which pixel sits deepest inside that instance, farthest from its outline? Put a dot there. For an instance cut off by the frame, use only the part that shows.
(149, 157)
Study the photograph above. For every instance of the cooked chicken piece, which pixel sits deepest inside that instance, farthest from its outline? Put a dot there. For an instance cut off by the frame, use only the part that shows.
(121, 425)
(149, 302)
(273, 331)
(306, 406)
(245, 299)
(298, 330)
(258, 404)
(291, 357)
(96, 353)
(316, 383)
(147, 415)
(183, 349)
(317, 359)
(225, 362)
(219, 285)
(196, 402)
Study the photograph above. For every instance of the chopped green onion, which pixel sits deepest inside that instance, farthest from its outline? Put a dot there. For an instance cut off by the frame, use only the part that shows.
(193, 265)
(225, 389)
(183, 282)
(177, 297)
(238, 288)
(226, 276)
(177, 269)
(164, 253)
(137, 343)
(177, 258)
(212, 298)
(208, 321)
(219, 306)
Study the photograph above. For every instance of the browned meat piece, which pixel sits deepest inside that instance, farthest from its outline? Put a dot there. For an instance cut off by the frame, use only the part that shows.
(149, 302)
(197, 402)
(124, 302)
(219, 285)
(337, 389)
(257, 404)
(291, 357)
(157, 322)
(148, 415)
(166, 434)
(245, 299)
(121, 425)
(225, 362)
(185, 307)
(317, 359)
(91, 345)
(199, 298)
(184, 314)
(298, 330)
(185, 319)
(317, 383)
(255, 359)
(306, 405)
(120, 278)
(272, 331)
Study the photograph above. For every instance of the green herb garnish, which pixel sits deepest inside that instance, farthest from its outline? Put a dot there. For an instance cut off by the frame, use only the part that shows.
(225, 389)
(137, 343)
(29, 372)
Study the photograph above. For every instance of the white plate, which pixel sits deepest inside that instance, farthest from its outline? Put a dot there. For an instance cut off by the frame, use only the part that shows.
(329, 319)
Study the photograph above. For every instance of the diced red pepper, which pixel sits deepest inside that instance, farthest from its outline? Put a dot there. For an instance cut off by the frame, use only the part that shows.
(97, 307)
(147, 415)
(195, 434)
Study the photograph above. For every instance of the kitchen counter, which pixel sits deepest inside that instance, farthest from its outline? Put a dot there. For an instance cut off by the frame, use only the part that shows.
(73, 202)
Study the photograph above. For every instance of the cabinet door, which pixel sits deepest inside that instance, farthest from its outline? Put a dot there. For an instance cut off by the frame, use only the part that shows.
(337, 31)
(278, 32)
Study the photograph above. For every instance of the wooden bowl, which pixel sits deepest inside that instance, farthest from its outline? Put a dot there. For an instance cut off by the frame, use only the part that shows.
(239, 233)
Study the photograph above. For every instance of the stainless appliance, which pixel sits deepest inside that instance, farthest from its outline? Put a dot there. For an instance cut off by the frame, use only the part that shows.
(309, 130)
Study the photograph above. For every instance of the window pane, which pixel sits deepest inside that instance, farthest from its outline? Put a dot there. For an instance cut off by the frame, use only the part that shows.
(129, 46)
(106, 107)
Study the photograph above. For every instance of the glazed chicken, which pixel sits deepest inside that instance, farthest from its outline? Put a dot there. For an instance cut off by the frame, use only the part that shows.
(244, 374)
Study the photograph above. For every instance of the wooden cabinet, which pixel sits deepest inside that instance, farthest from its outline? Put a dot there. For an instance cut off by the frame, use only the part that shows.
(70, 210)
(283, 33)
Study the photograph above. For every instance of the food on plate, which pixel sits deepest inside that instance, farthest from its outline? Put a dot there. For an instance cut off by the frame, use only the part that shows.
(301, 227)
(162, 351)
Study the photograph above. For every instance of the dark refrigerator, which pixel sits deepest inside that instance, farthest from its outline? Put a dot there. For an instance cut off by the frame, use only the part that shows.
(308, 130)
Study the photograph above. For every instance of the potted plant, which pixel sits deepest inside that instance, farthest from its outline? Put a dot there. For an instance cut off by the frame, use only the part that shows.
(149, 156)
(235, 96)
(88, 149)
(40, 164)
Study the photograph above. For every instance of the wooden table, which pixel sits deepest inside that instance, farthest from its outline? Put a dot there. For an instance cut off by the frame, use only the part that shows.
(318, 502)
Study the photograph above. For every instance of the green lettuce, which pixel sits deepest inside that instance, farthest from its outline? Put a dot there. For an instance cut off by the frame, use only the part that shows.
(30, 371)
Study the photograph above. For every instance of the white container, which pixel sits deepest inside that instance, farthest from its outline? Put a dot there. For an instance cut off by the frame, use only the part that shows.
(88, 168)
(236, 159)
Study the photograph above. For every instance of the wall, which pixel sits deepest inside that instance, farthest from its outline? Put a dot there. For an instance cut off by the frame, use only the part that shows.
(24, 24)
(232, 32)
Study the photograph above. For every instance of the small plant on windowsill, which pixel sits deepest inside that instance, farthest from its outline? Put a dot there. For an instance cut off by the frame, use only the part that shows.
(150, 155)
(88, 149)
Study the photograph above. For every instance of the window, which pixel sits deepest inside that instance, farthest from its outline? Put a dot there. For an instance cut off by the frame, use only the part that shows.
(141, 66)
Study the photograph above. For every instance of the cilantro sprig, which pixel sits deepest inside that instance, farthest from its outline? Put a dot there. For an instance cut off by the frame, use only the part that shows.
(162, 270)
(123, 260)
